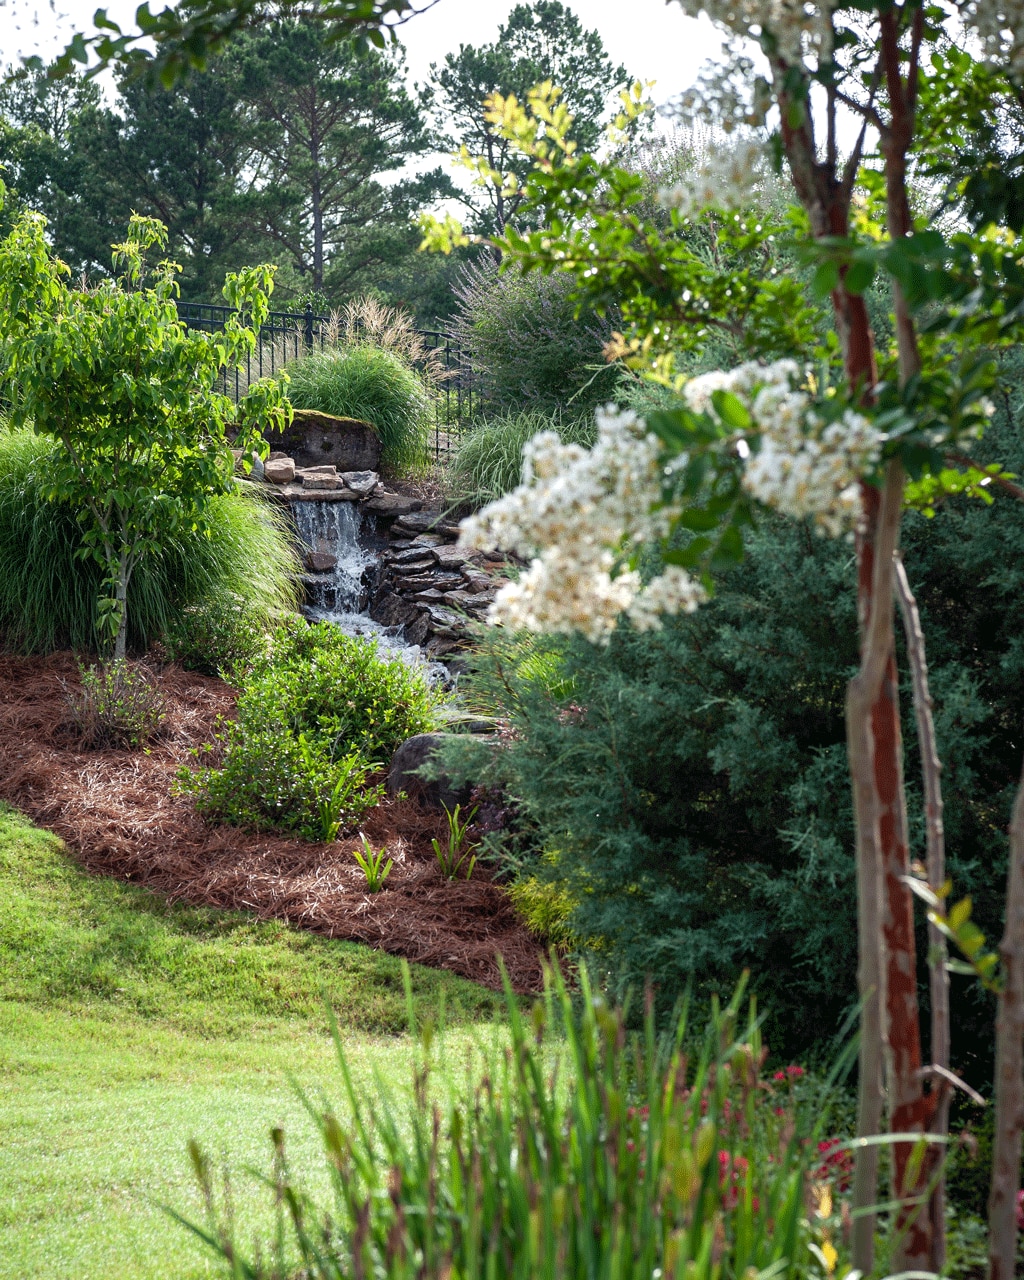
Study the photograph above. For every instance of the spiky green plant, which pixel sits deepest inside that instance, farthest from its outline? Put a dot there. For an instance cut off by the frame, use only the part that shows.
(48, 592)
(489, 459)
(578, 1151)
(368, 382)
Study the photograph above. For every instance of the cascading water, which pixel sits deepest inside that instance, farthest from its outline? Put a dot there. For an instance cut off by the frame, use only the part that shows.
(336, 594)
(331, 530)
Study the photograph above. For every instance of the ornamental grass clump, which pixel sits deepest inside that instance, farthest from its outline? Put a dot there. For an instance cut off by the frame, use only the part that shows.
(205, 592)
(362, 380)
(488, 462)
(574, 1149)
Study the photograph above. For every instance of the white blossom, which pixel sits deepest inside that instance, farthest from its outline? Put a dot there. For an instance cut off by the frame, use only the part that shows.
(576, 516)
(723, 178)
(806, 466)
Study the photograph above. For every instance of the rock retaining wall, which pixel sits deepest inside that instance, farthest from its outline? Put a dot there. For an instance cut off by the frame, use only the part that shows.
(422, 582)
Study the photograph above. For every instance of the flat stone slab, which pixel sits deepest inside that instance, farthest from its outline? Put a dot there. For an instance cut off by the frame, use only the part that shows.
(361, 482)
(418, 521)
(300, 493)
(322, 482)
(393, 504)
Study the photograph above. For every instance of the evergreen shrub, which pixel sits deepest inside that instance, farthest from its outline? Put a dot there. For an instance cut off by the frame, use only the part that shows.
(363, 380)
(48, 590)
(688, 787)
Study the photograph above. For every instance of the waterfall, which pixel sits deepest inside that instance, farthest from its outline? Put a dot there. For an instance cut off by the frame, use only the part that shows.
(331, 529)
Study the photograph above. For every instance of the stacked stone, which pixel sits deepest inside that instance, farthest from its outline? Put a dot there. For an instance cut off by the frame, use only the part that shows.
(430, 588)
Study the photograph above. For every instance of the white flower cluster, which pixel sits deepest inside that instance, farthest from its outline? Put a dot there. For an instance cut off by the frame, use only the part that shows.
(806, 466)
(575, 514)
(726, 178)
(795, 28)
(1000, 26)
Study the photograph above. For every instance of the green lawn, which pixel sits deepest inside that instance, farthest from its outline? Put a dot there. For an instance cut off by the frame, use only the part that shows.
(127, 1027)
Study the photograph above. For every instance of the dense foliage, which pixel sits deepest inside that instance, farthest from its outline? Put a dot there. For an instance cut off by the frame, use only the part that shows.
(48, 591)
(687, 788)
(128, 393)
(362, 380)
(531, 346)
(319, 712)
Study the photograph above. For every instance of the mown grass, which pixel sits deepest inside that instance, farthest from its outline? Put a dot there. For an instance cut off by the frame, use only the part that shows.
(127, 1027)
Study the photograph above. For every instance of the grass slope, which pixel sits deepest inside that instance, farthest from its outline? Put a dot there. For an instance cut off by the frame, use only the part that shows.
(128, 1026)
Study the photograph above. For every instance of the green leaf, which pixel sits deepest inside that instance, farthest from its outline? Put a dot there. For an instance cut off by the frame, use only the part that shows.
(731, 410)
(859, 275)
(825, 278)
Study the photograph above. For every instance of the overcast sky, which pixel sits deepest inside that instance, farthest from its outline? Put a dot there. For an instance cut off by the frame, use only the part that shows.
(653, 39)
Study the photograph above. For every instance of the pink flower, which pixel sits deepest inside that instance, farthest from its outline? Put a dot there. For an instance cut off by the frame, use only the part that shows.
(1020, 1210)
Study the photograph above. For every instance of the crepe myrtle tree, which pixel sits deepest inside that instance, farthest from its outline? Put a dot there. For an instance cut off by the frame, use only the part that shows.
(845, 442)
(128, 393)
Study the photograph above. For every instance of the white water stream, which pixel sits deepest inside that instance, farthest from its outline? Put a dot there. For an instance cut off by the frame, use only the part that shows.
(338, 595)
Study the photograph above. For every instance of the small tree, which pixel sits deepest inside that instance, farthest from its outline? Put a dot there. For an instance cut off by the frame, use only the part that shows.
(128, 392)
(847, 445)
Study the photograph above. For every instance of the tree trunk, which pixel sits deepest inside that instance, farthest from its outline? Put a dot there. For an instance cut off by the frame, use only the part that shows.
(121, 598)
(931, 771)
(874, 747)
(1009, 1069)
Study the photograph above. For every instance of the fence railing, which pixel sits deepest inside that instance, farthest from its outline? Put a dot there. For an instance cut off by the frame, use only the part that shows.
(287, 335)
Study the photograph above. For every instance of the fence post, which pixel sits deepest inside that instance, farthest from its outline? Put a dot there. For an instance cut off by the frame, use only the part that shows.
(308, 330)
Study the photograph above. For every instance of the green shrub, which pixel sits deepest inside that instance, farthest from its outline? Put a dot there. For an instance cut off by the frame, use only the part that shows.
(318, 714)
(222, 636)
(488, 462)
(274, 780)
(117, 705)
(577, 1151)
(48, 592)
(319, 681)
(368, 382)
(694, 780)
(528, 346)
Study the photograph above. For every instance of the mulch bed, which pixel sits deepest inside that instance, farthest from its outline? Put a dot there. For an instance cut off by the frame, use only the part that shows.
(116, 812)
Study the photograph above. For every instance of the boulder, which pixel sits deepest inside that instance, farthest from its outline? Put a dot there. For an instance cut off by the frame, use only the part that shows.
(313, 437)
(403, 776)
(321, 561)
(361, 482)
(279, 470)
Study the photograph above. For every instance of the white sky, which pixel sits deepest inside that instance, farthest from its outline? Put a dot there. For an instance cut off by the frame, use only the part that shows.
(652, 38)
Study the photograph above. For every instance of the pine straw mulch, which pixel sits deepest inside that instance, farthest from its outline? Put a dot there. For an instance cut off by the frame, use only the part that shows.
(116, 812)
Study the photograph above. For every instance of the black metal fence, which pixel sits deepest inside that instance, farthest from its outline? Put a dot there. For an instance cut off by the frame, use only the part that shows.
(287, 335)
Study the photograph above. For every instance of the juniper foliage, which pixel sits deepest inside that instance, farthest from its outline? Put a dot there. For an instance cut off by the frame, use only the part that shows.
(688, 787)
